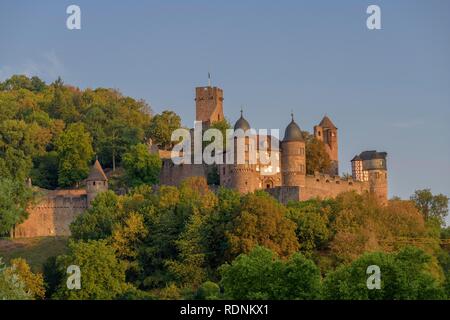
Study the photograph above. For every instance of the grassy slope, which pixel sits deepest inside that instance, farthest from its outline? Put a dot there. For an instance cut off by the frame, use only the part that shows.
(34, 250)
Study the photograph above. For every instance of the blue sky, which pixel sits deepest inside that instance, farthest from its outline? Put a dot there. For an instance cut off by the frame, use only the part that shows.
(387, 89)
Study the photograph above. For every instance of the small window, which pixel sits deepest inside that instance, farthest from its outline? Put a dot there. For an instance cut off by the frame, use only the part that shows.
(93, 183)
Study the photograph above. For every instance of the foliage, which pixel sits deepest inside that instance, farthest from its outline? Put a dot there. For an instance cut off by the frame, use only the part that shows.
(45, 170)
(19, 143)
(14, 199)
(74, 147)
(312, 218)
(261, 275)
(262, 221)
(141, 167)
(363, 225)
(34, 283)
(102, 274)
(317, 158)
(33, 116)
(431, 206)
(161, 128)
(208, 291)
(11, 285)
(98, 221)
(404, 276)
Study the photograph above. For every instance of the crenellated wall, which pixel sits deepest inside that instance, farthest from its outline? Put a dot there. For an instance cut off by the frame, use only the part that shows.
(173, 175)
(285, 194)
(325, 186)
(53, 214)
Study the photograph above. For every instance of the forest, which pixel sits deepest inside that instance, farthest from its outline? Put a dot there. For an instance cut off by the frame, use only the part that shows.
(142, 240)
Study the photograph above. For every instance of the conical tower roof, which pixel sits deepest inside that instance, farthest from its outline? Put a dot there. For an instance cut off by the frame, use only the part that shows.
(97, 173)
(293, 132)
(327, 123)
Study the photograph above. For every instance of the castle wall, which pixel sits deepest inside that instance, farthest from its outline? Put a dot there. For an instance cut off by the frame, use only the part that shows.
(173, 175)
(325, 186)
(53, 215)
(285, 194)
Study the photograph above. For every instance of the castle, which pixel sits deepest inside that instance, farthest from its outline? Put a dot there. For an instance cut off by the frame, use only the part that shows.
(286, 179)
(58, 208)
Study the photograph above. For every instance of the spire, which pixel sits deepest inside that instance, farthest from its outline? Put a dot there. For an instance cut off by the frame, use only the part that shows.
(327, 123)
(242, 112)
(292, 115)
(209, 79)
(97, 173)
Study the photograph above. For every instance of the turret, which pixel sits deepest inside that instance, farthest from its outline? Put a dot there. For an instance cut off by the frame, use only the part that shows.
(96, 182)
(293, 160)
(243, 171)
(327, 132)
(374, 163)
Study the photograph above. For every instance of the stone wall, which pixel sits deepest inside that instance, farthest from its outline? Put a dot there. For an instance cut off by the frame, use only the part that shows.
(285, 194)
(53, 214)
(173, 175)
(324, 186)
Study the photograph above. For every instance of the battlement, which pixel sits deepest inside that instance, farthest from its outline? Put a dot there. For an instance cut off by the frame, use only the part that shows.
(209, 104)
(208, 93)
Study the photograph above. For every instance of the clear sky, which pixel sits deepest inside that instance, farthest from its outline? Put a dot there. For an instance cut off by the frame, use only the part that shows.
(386, 89)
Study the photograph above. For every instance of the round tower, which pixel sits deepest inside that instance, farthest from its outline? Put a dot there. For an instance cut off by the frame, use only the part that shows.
(243, 171)
(293, 160)
(96, 182)
(377, 173)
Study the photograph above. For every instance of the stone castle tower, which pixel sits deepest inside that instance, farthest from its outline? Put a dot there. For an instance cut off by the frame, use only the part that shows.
(371, 166)
(326, 132)
(209, 104)
(57, 209)
(96, 182)
(285, 176)
(293, 161)
(243, 175)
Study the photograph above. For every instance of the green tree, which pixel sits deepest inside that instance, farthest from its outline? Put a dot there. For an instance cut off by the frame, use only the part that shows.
(98, 221)
(261, 275)
(34, 283)
(45, 171)
(161, 128)
(431, 206)
(317, 158)
(189, 267)
(312, 220)
(141, 167)
(14, 200)
(62, 106)
(217, 225)
(262, 221)
(74, 148)
(102, 274)
(208, 291)
(19, 143)
(404, 276)
(362, 225)
(11, 285)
